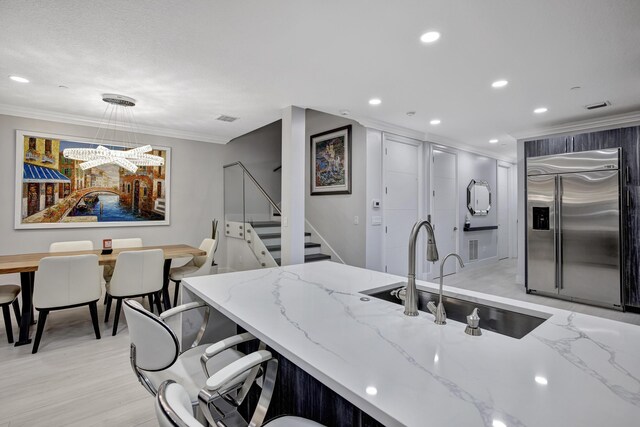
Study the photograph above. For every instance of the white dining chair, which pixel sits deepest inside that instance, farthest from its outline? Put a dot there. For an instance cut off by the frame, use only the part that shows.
(173, 407)
(136, 274)
(130, 242)
(198, 266)
(71, 246)
(9, 296)
(157, 355)
(75, 246)
(63, 282)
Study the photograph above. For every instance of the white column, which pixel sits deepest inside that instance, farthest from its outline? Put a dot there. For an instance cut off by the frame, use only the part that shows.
(293, 190)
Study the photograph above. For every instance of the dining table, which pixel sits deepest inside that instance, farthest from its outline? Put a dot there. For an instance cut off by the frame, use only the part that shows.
(27, 265)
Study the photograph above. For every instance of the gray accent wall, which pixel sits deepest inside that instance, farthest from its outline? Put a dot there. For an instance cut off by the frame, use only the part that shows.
(333, 215)
(196, 193)
(481, 168)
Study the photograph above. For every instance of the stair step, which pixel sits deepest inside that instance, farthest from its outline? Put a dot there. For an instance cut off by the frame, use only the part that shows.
(261, 224)
(311, 258)
(306, 245)
(276, 235)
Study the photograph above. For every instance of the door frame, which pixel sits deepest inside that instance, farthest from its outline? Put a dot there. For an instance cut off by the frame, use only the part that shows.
(389, 137)
(509, 199)
(430, 275)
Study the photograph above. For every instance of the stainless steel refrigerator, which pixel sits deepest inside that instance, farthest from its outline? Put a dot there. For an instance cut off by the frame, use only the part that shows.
(573, 226)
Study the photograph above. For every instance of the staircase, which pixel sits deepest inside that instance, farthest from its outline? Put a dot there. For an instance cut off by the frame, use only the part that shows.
(269, 233)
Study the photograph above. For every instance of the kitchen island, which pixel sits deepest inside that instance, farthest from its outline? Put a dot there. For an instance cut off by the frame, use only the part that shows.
(572, 370)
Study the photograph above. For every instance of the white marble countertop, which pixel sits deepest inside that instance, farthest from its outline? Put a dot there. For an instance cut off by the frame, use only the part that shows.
(573, 370)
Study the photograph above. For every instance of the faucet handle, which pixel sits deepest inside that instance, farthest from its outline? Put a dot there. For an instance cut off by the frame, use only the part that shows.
(473, 323)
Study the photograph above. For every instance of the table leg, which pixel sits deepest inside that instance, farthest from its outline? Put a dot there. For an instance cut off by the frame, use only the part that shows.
(26, 284)
(165, 286)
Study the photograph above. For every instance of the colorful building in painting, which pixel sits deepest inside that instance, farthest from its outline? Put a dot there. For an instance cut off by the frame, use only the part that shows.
(42, 183)
(144, 191)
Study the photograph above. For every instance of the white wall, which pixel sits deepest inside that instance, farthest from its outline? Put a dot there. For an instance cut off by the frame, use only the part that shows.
(196, 193)
(333, 215)
(374, 257)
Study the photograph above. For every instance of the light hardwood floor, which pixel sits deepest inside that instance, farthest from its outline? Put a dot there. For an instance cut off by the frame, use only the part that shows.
(76, 380)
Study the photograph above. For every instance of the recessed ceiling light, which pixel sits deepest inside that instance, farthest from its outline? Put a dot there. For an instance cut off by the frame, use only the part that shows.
(411, 113)
(541, 380)
(435, 122)
(375, 101)
(499, 83)
(498, 423)
(371, 391)
(19, 79)
(540, 110)
(493, 141)
(430, 37)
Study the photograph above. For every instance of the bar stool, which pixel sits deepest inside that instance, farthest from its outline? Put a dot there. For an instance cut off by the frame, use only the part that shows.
(9, 296)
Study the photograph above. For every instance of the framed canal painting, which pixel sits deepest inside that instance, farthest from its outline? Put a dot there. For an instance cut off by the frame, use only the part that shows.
(54, 192)
(331, 162)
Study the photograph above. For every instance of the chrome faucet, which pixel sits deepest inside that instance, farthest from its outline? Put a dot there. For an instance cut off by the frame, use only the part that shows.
(411, 299)
(439, 312)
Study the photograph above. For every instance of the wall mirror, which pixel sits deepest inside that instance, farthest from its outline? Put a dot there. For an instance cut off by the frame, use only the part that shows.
(478, 197)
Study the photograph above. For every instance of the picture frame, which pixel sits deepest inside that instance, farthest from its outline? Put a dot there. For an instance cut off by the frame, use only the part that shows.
(54, 192)
(331, 162)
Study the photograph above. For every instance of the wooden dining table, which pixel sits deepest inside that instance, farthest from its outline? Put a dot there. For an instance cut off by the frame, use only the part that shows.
(27, 265)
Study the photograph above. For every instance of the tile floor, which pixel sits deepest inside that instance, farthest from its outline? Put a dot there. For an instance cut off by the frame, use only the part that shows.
(76, 380)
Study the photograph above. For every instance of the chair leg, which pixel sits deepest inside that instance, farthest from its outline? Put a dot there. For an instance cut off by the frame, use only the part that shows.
(107, 310)
(175, 293)
(150, 302)
(16, 310)
(156, 300)
(7, 322)
(116, 317)
(93, 309)
(42, 318)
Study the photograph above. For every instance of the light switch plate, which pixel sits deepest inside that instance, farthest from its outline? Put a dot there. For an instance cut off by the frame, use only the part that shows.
(376, 220)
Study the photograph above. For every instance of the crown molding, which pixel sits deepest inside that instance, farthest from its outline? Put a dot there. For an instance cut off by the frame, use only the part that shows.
(452, 143)
(32, 113)
(390, 128)
(583, 125)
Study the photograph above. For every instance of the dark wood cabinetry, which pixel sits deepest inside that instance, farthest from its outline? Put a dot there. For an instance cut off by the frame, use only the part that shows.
(628, 140)
(545, 147)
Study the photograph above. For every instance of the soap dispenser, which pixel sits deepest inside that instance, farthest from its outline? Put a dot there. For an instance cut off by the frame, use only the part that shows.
(473, 324)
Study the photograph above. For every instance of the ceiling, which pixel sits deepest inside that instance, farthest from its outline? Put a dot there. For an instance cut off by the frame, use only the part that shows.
(188, 62)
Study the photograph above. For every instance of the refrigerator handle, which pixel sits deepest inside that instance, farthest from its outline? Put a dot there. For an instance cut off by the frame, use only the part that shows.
(559, 232)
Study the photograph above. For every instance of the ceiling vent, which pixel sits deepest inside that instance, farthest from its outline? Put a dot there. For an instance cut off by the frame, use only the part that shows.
(224, 118)
(597, 105)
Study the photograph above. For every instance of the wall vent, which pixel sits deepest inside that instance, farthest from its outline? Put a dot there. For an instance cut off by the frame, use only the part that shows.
(597, 105)
(473, 250)
(224, 118)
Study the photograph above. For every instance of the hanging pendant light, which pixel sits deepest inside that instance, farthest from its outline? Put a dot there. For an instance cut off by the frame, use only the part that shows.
(133, 154)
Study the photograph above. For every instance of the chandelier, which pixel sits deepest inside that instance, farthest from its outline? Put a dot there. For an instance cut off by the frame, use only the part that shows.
(129, 158)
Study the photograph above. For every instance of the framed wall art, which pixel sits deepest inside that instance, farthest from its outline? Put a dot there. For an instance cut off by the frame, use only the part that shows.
(54, 192)
(331, 162)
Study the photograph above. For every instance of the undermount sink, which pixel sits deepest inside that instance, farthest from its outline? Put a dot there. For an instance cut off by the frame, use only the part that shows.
(496, 319)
